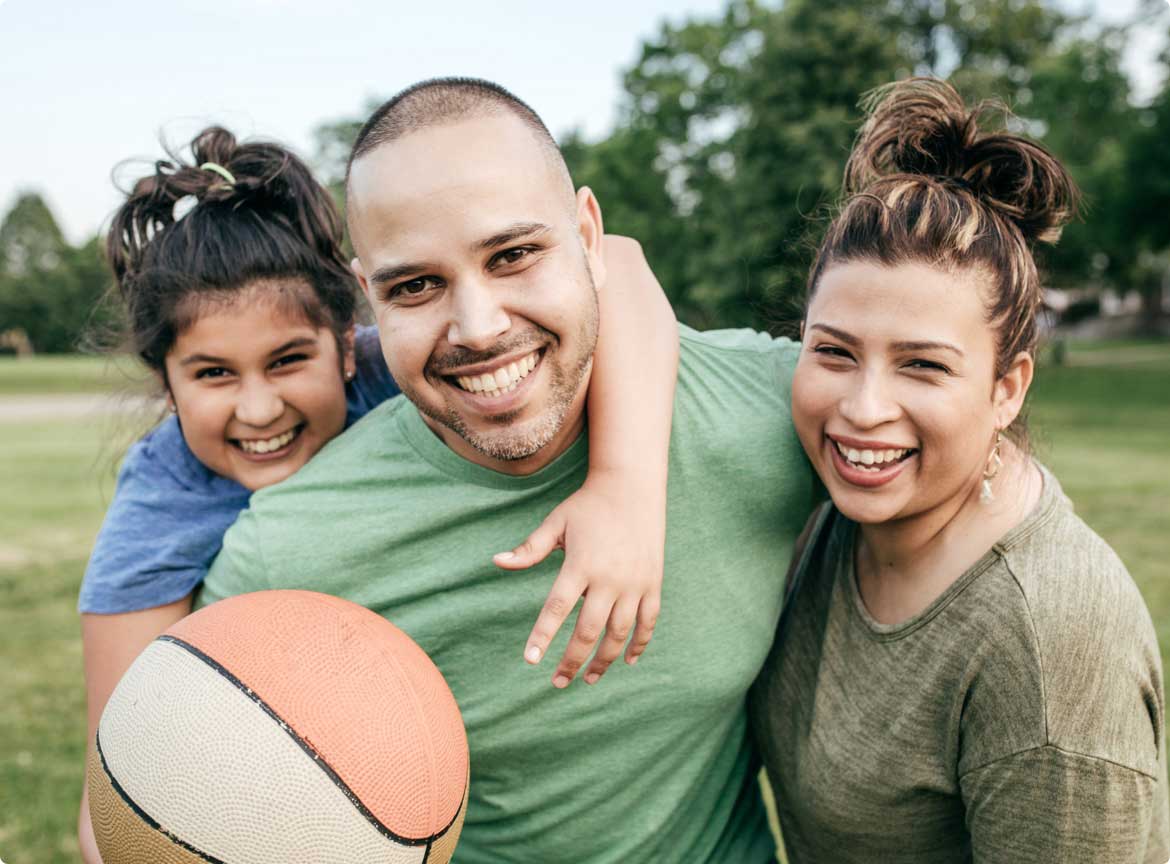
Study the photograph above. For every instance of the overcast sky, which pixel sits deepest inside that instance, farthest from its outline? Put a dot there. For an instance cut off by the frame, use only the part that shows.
(86, 84)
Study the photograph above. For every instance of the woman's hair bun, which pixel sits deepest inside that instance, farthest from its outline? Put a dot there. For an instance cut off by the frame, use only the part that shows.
(920, 128)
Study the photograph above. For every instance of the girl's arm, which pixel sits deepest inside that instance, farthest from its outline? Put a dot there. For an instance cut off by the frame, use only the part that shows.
(613, 529)
(109, 644)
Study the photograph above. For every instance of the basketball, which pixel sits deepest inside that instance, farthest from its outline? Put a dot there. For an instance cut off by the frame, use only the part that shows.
(280, 726)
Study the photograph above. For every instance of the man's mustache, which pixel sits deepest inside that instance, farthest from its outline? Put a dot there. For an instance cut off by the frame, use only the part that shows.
(458, 358)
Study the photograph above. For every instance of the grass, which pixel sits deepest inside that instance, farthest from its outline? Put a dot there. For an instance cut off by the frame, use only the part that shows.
(1099, 422)
(65, 374)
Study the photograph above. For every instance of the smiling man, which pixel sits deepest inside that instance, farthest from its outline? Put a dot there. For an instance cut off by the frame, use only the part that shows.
(484, 267)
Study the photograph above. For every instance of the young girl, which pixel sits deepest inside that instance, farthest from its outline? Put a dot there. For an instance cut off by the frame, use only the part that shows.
(244, 309)
(965, 671)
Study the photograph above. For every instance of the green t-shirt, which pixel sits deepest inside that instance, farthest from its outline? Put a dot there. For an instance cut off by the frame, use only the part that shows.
(1017, 719)
(653, 763)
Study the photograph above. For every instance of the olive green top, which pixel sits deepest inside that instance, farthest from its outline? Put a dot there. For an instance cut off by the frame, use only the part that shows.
(1019, 718)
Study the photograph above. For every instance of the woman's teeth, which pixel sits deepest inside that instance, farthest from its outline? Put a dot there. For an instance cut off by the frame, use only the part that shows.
(268, 445)
(870, 460)
(502, 380)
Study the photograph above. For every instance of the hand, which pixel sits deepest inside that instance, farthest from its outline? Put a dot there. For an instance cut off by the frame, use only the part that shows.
(612, 530)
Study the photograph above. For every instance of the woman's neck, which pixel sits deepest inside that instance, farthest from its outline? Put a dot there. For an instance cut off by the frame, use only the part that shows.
(904, 565)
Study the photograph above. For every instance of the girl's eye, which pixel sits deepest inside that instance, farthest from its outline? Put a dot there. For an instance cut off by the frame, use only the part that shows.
(212, 372)
(289, 359)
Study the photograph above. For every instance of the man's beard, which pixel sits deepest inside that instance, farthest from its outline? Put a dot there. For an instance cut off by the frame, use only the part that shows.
(513, 444)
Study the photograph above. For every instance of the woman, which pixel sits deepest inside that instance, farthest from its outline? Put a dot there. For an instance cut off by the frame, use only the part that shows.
(965, 671)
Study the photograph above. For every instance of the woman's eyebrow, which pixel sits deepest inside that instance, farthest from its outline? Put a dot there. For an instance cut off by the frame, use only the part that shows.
(926, 345)
(847, 338)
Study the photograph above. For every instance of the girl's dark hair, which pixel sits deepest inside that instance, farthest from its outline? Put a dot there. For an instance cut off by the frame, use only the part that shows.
(274, 222)
(926, 183)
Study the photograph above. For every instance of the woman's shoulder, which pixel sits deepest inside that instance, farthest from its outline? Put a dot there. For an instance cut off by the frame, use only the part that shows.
(1072, 622)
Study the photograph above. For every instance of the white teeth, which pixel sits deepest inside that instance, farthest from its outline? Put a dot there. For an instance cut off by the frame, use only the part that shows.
(268, 445)
(502, 380)
(870, 459)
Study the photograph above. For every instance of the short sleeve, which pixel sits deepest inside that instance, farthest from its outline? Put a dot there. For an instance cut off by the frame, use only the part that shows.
(1046, 804)
(239, 567)
(162, 529)
(372, 383)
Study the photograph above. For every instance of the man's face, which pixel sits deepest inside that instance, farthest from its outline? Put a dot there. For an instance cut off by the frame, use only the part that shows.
(476, 258)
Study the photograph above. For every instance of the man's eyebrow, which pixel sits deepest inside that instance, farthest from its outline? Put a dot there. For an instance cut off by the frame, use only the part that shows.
(393, 272)
(511, 234)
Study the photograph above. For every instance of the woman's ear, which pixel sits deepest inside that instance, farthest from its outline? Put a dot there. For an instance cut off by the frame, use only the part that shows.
(1010, 390)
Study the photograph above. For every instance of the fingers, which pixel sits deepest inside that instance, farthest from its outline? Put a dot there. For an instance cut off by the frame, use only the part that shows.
(563, 596)
(644, 631)
(549, 535)
(591, 622)
(621, 622)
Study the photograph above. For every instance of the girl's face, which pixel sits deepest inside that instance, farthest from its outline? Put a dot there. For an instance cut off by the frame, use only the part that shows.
(894, 397)
(258, 390)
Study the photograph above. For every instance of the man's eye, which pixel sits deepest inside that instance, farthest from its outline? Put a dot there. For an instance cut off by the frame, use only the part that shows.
(212, 372)
(510, 256)
(412, 288)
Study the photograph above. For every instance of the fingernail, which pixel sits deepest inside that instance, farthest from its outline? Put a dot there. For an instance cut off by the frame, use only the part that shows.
(591, 677)
(532, 655)
(633, 659)
(504, 556)
(560, 682)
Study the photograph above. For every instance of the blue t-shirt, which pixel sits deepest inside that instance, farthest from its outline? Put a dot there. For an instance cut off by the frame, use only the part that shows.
(170, 512)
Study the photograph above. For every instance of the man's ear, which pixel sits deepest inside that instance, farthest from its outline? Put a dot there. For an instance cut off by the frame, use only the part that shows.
(590, 226)
(356, 266)
(1010, 390)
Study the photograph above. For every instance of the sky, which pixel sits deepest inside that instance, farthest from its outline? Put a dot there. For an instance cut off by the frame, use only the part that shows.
(86, 86)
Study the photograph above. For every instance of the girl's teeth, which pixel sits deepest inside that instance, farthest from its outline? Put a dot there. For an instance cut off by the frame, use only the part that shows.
(269, 445)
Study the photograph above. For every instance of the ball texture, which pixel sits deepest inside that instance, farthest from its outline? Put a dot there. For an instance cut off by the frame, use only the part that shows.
(280, 726)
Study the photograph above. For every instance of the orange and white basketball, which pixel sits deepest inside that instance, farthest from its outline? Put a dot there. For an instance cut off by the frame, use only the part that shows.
(280, 726)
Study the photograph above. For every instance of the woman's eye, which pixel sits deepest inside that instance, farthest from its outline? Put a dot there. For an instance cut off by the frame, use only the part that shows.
(928, 366)
(832, 351)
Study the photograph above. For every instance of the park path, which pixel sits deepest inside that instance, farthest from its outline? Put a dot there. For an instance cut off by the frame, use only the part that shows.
(69, 406)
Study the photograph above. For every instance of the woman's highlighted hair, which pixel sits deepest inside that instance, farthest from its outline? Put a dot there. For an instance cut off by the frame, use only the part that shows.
(926, 182)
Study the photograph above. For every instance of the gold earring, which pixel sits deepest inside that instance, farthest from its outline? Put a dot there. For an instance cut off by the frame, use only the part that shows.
(994, 463)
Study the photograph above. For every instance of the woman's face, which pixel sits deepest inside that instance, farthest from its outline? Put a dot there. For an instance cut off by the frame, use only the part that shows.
(258, 390)
(894, 396)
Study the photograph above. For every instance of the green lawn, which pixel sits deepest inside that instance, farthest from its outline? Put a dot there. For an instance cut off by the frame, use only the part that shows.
(1099, 422)
(66, 374)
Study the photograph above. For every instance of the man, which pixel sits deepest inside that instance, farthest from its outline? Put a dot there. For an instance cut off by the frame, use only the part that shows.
(476, 256)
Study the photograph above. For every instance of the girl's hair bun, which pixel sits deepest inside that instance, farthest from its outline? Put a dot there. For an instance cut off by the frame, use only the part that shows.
(920, 127)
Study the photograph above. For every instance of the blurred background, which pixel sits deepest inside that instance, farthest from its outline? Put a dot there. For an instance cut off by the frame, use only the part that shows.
(715, 132)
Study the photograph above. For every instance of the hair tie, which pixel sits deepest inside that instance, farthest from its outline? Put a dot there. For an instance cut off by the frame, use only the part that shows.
(220, 170)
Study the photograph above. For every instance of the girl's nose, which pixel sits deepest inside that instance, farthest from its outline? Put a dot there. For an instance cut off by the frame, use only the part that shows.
(259, 404)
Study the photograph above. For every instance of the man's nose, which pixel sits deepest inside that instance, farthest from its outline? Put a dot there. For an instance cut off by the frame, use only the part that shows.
(259, 403)
(869, 402)
(478, 319)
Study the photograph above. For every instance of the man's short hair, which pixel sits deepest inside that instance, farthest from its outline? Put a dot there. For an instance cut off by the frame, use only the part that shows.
(445, 100)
